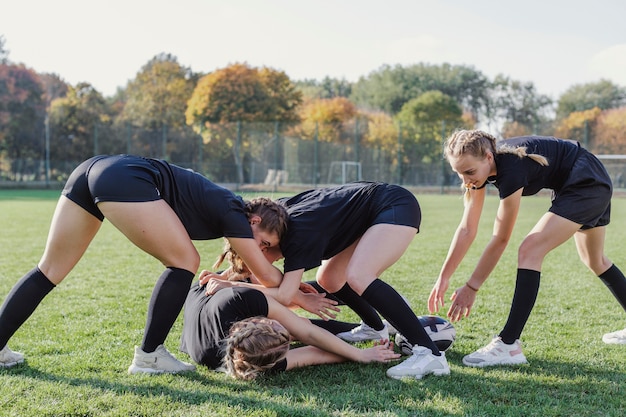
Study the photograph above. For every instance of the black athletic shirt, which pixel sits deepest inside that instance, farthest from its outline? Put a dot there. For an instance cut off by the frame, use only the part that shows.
(207, 210)
(515, 172)
(325, 221)
(208, 319)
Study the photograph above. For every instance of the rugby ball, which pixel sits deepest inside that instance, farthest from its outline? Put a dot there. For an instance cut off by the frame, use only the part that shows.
(440, 330)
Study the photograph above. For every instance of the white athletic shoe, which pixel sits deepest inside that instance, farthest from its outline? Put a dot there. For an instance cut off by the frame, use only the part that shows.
(422, 362)
(403, 344)
(363, 332)
(157, 362)
(496, 353)
(8, 358)
(391, 330)
(615, 338)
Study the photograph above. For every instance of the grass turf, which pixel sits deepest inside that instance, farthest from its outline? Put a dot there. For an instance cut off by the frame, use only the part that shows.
(79, 342)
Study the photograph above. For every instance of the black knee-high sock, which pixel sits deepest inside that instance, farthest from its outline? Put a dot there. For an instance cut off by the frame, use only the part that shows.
(392, 306)
(320, 289)
(334, 326)
(360, 307)
(615, 281)
(167, 300)
(21, 302)
(526, 290)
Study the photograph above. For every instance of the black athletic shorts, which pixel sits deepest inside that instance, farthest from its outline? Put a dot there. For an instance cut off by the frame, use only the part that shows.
(585, 197)
(396, 205)
(122, 178)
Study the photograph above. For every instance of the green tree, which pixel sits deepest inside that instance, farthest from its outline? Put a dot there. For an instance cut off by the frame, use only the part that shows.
(155, 102)
(4, 53)
(77, 125)
(327, 88)
(389, 88)
(517, 106)
(423, 120)
(602, 94)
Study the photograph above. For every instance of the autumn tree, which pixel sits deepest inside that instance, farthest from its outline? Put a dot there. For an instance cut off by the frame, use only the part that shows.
(325, 118)
(578, 125)
(242, 93)
(22, 109)
(76, 122)
(228, 97)
(602, 94)
(381, 132)
(610, 132)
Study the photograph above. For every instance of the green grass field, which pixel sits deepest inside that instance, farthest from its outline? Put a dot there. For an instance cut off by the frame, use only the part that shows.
(79, 342)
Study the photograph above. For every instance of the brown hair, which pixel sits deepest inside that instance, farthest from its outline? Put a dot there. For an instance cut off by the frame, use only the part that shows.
(273, 216)
(254, 345)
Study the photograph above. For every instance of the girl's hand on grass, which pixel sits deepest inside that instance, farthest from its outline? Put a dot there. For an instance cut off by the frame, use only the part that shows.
(382, 351)
(462, 301)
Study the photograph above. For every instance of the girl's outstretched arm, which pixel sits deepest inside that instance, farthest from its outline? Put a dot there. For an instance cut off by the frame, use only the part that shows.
(327, 347)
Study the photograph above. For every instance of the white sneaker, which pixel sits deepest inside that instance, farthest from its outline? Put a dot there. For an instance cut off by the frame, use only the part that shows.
(422, 362)
(496, 353)
(615, 338)
(157, 362)
(8, 358)
(390, 329)
(363, 332)
(403, 344)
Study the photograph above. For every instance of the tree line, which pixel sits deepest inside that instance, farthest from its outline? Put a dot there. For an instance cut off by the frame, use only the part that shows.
(172, 112)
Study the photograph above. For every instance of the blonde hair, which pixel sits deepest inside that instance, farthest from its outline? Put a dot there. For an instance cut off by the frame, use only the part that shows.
(478, 143)
(253, 346)
(240, 271)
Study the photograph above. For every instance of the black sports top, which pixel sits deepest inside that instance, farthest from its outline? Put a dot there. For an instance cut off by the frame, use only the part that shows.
(514, 172)
(325, 221)
(207, 210)
(208, 319)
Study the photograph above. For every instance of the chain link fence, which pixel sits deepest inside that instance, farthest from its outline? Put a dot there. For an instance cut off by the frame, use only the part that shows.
(259, 156)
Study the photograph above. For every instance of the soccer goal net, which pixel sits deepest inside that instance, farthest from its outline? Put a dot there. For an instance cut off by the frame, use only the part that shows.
(616, 166)
(341, 172)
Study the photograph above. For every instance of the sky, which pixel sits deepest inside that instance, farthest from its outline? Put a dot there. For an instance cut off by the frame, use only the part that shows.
(554, 44)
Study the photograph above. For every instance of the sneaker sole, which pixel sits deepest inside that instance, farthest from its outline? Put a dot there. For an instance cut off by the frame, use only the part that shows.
(611, 341)
(499, 363)
(437, 372)
(133, 369)
(11, 364)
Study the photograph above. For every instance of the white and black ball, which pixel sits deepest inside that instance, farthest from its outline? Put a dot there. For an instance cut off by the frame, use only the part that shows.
(440, 330)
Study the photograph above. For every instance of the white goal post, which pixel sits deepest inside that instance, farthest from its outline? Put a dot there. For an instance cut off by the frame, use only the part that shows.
(344, 171)
(615, 164)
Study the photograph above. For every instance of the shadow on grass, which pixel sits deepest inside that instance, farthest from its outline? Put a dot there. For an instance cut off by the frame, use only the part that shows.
(216, 388)
(543, 387)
